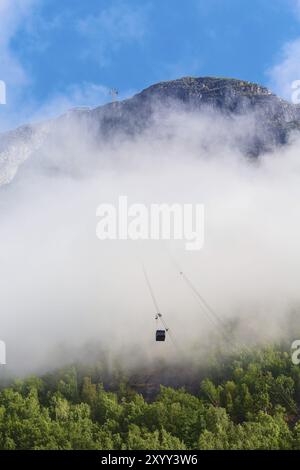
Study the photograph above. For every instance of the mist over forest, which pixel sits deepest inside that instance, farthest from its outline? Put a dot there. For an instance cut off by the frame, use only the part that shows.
(65, 293)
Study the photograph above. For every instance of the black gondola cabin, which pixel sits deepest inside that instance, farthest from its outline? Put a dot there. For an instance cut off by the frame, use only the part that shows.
(160, 335)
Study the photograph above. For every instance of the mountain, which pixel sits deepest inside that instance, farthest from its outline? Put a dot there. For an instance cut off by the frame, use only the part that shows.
(274, 118)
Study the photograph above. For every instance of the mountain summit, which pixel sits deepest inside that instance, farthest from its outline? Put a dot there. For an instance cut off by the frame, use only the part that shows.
(272, 118)
(275, 117)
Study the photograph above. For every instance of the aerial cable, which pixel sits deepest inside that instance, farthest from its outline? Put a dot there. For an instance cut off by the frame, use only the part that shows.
(158, 314)
(215, 320)
(209, 312)
(201, 298)
(222, 326)
(157, 310)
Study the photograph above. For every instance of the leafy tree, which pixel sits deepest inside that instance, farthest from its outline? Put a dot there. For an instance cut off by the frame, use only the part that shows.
(247, 402)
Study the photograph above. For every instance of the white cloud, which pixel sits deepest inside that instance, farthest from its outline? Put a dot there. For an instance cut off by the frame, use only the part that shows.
(13, 14)
(16, 14)
(287, 69)
(102, 34)
(86, 94)
(296, 6)
(112, 28)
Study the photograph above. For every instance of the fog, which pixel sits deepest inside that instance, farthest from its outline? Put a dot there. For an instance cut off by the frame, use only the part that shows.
(65, 294)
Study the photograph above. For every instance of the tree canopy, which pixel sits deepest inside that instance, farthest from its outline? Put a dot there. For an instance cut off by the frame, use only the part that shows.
(251, 404)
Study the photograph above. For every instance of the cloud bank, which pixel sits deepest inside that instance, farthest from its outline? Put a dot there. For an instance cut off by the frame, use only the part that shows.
(287, 69)
(62, 289)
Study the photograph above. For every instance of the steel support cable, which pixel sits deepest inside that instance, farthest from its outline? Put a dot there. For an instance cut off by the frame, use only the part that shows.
(158, 313)
(221, 325)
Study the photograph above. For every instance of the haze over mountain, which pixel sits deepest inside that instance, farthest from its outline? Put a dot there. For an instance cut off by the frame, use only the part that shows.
(228, 144)
(270, 119)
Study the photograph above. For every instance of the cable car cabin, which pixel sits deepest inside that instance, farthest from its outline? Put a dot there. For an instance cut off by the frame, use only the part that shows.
(160, 335)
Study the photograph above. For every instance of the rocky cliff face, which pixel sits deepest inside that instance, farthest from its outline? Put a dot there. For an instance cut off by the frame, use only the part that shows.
(274, 118)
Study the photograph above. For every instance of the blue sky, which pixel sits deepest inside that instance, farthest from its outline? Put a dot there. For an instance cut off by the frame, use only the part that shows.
(58, 53)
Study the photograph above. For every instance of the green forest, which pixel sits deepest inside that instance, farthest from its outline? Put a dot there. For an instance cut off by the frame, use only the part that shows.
(250, 401)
